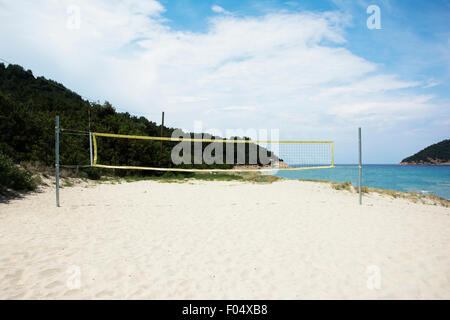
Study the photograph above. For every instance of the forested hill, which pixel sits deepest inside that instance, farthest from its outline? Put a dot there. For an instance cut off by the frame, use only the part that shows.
(28, 106)
(438, 154)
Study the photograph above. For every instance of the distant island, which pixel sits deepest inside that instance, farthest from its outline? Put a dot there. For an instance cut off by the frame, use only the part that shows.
(436, 154)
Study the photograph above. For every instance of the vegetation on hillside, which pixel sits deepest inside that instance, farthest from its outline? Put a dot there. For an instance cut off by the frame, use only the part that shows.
(438, 153)
(14, 177)
(28, 106)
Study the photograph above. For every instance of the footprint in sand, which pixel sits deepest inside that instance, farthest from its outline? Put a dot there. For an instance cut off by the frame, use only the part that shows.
(15, 276)
(72, 292)
(50, 272)
(54, 284)
(104, 294)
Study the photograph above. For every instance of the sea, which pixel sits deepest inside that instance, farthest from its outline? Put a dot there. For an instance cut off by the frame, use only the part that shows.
(410, 178)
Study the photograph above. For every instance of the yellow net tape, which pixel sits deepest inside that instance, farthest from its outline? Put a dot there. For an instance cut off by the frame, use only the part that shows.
(241, 169)
(113, 135)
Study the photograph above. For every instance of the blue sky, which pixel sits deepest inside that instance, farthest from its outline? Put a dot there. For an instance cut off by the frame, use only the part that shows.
(311, 69)
(410, 29)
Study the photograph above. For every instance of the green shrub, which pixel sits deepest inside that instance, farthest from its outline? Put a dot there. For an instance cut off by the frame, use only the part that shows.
(15, 177)
(169, 174)
(364, 189)
(347, 185)
(93, 173)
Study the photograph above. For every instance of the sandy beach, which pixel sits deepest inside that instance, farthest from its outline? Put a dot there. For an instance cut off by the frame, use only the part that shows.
(222, 240)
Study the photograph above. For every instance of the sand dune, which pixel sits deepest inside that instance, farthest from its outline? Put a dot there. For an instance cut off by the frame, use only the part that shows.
(222, 240)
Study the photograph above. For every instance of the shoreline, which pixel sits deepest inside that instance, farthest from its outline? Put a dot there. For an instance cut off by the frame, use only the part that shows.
(420, 180)
(414, 196)
(252, 177)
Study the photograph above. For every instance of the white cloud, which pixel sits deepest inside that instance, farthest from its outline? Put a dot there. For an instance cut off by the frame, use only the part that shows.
(281, 70)
(242, 108)
(431, 83)
(371, 84)
(218, 9)
(403, 107)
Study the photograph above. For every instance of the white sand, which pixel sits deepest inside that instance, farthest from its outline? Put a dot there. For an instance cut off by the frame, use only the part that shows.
(214, 240)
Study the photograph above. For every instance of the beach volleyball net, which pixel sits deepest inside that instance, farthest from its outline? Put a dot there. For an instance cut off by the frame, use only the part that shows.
(119, 151)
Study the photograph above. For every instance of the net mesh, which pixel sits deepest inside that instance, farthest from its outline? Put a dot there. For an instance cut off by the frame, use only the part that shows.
(190, 154)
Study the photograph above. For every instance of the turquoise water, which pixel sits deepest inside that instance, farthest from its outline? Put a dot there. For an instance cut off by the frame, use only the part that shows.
(422, 179)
